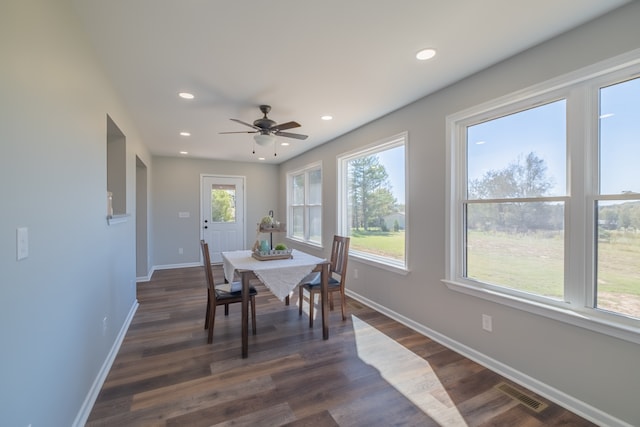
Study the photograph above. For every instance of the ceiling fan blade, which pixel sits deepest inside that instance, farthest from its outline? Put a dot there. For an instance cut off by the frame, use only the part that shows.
(245, 123)
(244, 131)
(291, 135)
(285, 126)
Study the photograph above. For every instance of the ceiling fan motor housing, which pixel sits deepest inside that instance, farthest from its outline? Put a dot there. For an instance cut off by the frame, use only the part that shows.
(264, 123)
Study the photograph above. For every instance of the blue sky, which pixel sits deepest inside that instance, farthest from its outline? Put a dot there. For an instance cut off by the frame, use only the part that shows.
(495, 144)
(393, 161)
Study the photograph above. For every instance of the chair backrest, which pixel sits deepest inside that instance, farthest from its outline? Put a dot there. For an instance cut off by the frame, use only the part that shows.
(339, 257)
(207, 268)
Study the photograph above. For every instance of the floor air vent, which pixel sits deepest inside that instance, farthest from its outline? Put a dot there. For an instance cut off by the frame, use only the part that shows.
(528, 401)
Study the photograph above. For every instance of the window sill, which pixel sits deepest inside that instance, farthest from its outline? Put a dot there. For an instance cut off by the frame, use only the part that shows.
(394, 268)
(586, 318)
(117, 219)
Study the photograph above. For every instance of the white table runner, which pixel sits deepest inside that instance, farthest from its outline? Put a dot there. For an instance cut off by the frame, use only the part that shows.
(281, 276)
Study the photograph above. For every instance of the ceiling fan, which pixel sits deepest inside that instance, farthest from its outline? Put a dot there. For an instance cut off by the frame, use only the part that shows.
(266, 129)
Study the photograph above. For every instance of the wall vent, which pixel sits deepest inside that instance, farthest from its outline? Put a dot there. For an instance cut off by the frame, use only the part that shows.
(527, 400)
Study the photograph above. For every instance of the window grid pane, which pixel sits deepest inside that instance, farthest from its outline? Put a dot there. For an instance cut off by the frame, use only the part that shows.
(373, 202)
(305, 195)
(619, 122)
(517, 245)
(617, 220)
(521, 157)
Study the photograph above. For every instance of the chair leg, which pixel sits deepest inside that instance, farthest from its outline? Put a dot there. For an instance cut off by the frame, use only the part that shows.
(226, 309)
(212, 319)
(331, 301)
(300, 299)
(206, 316)
(253, 314)
(343, 303)
(286, 300)
(312, 301)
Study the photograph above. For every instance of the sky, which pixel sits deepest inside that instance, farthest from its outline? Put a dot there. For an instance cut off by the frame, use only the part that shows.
(495, 144)
(394, 162)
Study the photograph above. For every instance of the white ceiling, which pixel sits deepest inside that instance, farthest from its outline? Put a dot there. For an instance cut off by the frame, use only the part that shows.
(352, 59)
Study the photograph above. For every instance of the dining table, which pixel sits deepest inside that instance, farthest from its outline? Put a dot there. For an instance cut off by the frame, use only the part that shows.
(281, 275)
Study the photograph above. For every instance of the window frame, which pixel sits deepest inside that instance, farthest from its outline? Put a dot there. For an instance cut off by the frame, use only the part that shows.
(342, 220)
(305, 170)
(580, 89)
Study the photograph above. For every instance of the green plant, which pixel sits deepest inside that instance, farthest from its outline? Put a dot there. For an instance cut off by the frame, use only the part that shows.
(280, 247)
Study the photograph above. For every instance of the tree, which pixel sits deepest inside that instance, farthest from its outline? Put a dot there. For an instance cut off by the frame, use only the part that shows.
(222, 206)
(520, 179)
(369, 192)
(523, 178)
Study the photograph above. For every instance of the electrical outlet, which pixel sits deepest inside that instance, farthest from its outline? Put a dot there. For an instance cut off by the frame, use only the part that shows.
(180, 251)
(355, 273)
(487, 323)
(105, 325)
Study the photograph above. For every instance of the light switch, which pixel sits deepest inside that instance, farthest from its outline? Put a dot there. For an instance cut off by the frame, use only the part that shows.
(184, 214)
(22, 243)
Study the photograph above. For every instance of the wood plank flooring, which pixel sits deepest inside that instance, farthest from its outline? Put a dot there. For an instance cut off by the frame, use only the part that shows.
(372, 371)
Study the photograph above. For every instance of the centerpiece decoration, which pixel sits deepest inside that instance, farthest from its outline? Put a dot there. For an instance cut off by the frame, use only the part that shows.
(263, 253)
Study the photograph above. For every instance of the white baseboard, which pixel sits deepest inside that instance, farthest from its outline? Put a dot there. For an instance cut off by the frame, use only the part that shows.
(569, 402)
(146, 278)
(166, 267)
(90, 400)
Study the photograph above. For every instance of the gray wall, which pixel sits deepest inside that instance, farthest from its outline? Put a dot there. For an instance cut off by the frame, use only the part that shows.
(176, 183)
(597, 370)
(54, 102)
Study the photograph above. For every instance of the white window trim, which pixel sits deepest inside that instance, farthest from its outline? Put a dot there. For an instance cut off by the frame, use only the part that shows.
(396, 140)
(577, 312)
(305, 169)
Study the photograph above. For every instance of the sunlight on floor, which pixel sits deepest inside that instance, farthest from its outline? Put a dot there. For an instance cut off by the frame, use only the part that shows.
(406, 372)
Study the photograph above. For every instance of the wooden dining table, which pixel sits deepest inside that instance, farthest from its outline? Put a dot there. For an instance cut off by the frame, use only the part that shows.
(281, 276)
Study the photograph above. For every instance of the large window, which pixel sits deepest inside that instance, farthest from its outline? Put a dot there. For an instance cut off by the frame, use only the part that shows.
(372, 201)
(544, 199)
(304, 204)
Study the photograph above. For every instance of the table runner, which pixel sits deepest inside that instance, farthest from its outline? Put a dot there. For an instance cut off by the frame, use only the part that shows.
(281, 276)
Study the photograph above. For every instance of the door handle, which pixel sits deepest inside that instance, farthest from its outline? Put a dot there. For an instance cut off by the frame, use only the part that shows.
(206, 226)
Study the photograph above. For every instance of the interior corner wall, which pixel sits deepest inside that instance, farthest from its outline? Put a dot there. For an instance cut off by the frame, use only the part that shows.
(61, 308)
(589, 370)
(176, 188)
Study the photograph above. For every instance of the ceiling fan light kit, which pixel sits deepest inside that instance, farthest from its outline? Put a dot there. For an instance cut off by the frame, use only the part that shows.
(266, 130)
(263, 140)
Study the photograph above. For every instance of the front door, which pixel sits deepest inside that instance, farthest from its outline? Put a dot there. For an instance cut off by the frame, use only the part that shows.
(223, 221)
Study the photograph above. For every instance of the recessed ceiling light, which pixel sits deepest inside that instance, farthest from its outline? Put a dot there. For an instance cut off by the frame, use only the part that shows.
(480, 142)
(184, 152)
(186, 95)
(260, 158)
(425, 54)
(606, 116)
(185, 133)
(327, 117)
(284, 144)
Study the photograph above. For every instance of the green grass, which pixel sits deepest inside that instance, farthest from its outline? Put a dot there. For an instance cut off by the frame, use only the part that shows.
(619, 263)
(389, 244)
(535, 262)
(528, 262)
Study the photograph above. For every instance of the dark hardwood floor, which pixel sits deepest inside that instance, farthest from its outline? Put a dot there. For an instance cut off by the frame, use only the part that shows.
(372, 371)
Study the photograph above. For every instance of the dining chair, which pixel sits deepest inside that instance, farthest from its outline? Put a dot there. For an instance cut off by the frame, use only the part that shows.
(338, 266)
(216, 295)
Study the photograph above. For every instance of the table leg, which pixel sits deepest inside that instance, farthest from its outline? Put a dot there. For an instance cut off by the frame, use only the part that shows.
(324, 299)
(245, 314)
